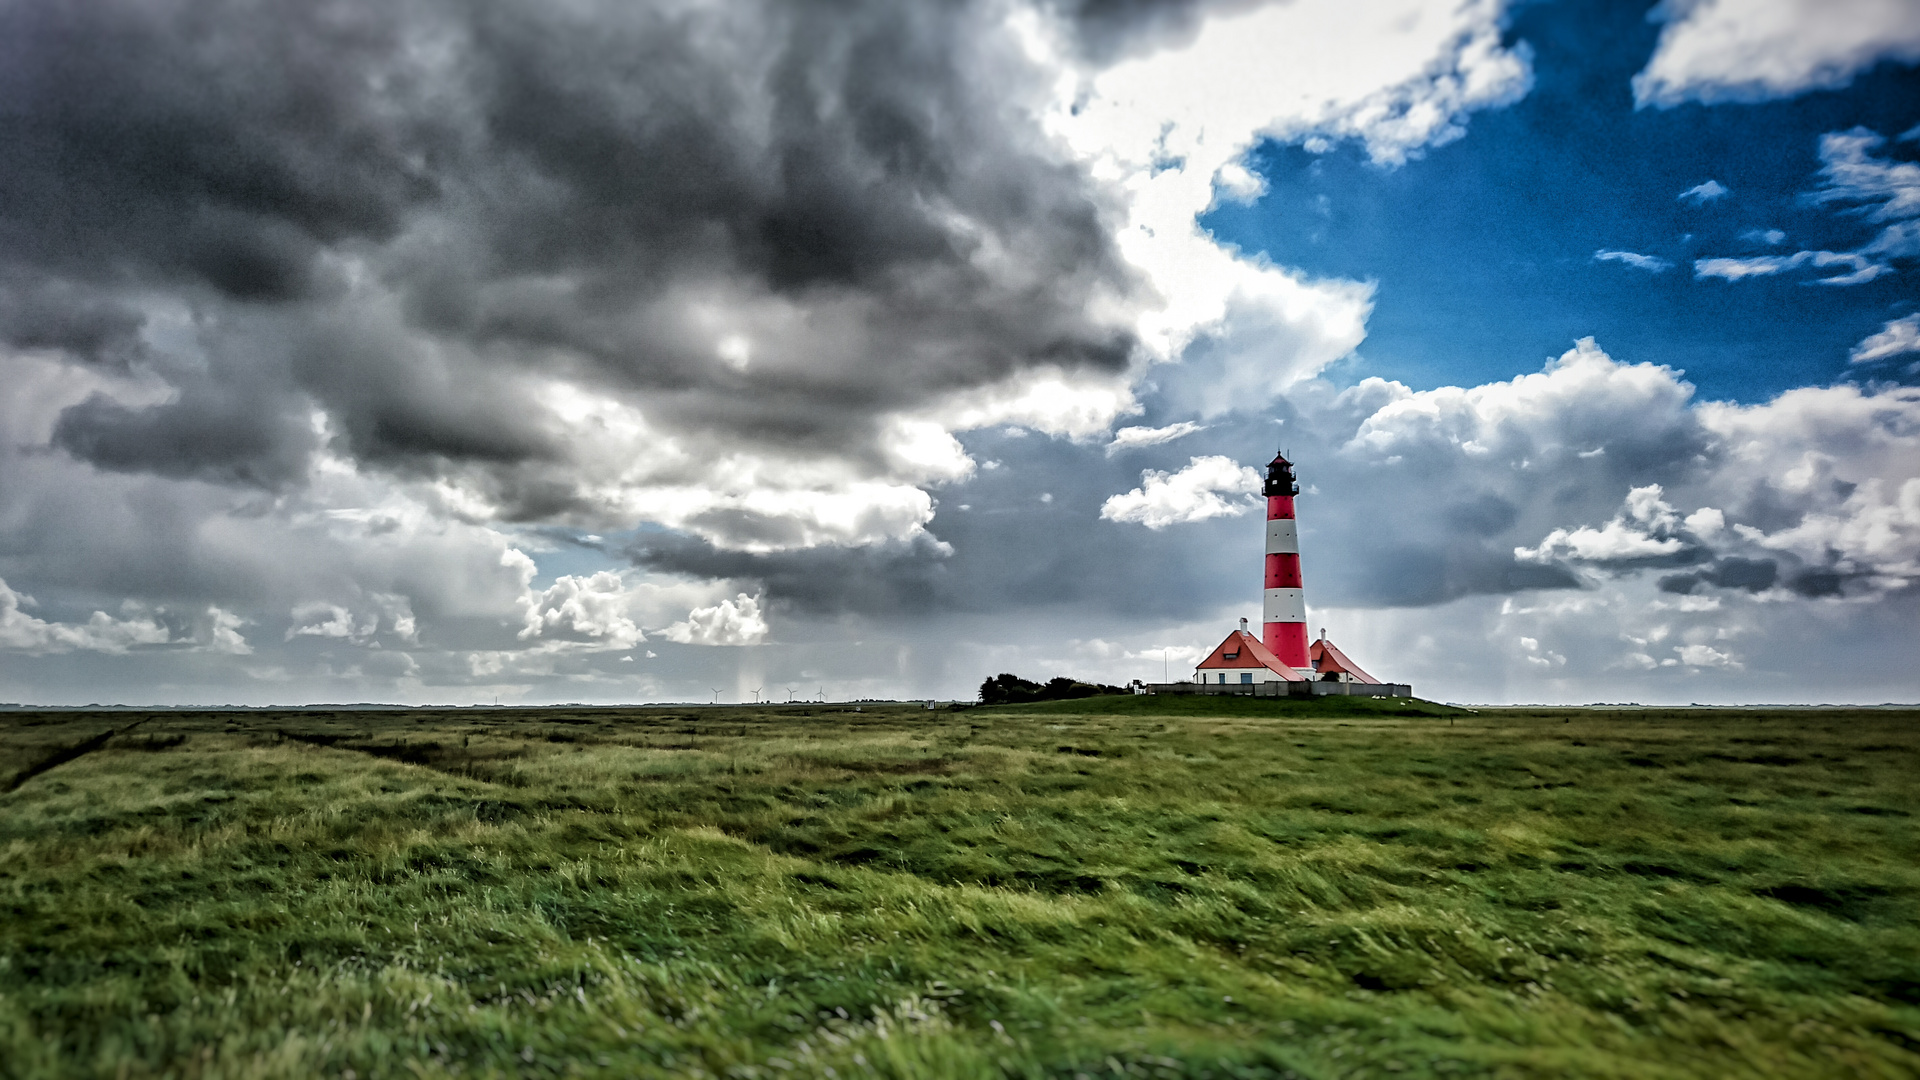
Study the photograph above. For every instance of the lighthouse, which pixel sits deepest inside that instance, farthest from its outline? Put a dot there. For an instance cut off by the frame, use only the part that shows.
(1279, 663)
(1284, 607)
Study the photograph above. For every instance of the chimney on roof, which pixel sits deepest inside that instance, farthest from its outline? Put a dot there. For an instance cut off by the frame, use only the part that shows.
(1243, 626)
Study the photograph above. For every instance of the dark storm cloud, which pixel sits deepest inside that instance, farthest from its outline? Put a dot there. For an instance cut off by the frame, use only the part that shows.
(1024, 535)
(433, 202)
(1394, 540)
(1760, 574)
(1408, 509)
(909, 578)
(213, 434)
(1421, 574)
(216, 141)
(1105, 30)
(1584, 474)
(65, 317)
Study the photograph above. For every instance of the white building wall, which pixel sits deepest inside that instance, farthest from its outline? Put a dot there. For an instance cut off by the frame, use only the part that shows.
(1212, 675)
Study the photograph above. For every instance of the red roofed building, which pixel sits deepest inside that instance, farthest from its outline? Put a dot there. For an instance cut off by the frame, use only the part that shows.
(1332, 665)
(1242, 659)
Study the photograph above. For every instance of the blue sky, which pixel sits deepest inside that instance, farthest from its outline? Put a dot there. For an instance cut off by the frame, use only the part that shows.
(883, 347)
(1484, 247)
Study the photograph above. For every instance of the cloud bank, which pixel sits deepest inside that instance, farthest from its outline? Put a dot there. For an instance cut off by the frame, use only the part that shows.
(431, 351)
(1714, 51)
(334, 322)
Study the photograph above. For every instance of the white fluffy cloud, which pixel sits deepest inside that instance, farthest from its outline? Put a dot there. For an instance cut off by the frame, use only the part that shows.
(223, 633)
(1582, 402)
(1705, 192)
(1752, 266)
(1874, 534)
(737, 621)
(1642, 530)
(1684, 550)
(1650, 263)
(595, 607)
(213, 630)
(325, 620)
(1870, 539)
(1877, 189)
(1132, 438)
(1756, 50)
(100, 633)
(1897, 338)
(1208, 487)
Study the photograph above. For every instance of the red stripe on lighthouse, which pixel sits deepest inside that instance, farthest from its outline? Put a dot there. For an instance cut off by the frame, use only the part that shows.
(1288, 641)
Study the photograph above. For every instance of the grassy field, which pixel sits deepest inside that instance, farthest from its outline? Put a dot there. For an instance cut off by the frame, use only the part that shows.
(1107, 887)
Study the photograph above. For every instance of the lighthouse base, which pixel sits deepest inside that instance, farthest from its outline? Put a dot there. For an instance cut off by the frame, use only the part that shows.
(1287, 640)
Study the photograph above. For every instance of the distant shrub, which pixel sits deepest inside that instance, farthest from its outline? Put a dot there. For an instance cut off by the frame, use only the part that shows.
(1005, 689)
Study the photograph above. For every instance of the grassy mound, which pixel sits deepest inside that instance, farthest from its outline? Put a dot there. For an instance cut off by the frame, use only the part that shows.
(1231, 705)
(798, 892)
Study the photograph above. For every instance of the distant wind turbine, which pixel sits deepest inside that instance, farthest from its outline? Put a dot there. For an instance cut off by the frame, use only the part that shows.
(716, 696)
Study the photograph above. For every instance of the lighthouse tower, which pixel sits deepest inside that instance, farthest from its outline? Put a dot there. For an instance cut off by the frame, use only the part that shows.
(1284, 611)
(1279, 662)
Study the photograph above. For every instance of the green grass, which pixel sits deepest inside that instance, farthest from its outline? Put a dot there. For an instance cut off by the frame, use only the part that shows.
(1134, 886)
(1231, 705)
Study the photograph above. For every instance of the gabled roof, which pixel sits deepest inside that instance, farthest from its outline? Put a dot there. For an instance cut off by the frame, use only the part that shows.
(1241, 651)
(1326, 658)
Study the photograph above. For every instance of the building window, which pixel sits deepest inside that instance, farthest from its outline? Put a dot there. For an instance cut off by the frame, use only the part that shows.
(1246, 676)
(1223, 676)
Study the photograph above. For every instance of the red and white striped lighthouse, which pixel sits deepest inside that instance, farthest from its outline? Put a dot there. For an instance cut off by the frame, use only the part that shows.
(1284, 609)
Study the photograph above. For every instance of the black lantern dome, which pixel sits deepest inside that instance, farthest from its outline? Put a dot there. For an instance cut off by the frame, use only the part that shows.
(1280, 477)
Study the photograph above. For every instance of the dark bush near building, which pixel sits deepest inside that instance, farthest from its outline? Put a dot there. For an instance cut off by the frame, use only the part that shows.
(1005, 689)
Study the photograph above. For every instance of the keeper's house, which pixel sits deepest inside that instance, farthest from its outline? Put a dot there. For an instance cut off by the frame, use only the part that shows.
(1243, 665)
(1242, 660)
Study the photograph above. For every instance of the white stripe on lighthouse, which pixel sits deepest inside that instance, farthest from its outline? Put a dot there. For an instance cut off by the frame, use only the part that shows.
(1284, 605)
(1283, 537)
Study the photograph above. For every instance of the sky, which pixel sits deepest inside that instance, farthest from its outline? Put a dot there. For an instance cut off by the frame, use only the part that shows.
(719, 350)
